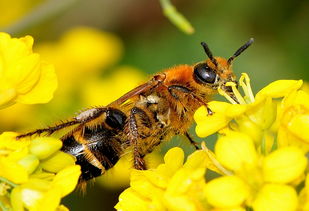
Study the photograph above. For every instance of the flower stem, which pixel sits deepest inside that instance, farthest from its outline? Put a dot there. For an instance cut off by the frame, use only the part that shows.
(8, 182)
(175, 17)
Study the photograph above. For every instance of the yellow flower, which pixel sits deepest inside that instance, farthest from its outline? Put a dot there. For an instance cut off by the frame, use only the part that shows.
(26, 167)
(275, 197)
(226, 192)
(259, 116)
(293, 120)
(80, 51)
(236, 151)
(24, 78)
(284, 165)
(171, 186)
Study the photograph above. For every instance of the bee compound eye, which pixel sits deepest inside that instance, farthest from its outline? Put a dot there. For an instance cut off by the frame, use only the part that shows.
(115, 119)
(204, 74)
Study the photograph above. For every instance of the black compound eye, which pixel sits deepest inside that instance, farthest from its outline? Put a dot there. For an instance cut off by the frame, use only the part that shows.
(115, 119)
(204, 74)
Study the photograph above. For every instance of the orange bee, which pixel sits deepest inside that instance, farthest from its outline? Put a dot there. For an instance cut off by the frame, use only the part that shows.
(144, 117)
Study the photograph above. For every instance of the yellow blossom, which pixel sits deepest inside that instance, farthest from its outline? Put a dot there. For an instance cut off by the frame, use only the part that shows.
(172, 185)
(284, 165)
(259, 112)
(263, 141)
(227, 191)
(235, 151)
(293, 120)
(80, 51)
(26, 167)
(275, 197)
(24, 78)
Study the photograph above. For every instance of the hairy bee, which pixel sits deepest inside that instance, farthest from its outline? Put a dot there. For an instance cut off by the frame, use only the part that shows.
(144, 117)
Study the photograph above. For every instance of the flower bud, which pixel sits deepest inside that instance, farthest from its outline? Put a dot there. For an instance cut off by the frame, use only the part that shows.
(284, 165)
(235, 150)
(275, 197)
(226, 191)
(58, 161)
(30, 162)
(43, 147)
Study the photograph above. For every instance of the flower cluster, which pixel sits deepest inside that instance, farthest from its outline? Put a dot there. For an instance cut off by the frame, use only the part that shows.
(260, 154)
(173, 185)
(35, 174)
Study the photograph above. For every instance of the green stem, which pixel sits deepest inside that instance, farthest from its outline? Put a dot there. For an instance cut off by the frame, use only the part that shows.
(8, 182)
(176, 17)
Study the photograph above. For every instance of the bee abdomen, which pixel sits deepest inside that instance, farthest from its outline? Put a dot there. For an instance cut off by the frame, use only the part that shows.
(71, 146)
(97, 152)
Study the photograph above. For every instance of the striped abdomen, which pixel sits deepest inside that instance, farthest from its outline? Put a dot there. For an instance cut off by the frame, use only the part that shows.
(97, 148)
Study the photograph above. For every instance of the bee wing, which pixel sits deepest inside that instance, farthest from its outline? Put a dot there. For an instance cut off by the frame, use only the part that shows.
(134, 92)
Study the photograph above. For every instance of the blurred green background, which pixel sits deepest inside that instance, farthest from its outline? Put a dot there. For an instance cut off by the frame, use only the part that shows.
(146, 43)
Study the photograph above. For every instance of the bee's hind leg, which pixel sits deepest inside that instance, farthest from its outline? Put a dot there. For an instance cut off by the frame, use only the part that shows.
(49, 130)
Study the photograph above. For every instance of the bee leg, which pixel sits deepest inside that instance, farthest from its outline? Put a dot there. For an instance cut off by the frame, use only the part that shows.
(49, 130)
(138, 158)
(195, 144)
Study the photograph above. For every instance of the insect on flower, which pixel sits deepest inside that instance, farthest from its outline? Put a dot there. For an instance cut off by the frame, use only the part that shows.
(145, 116)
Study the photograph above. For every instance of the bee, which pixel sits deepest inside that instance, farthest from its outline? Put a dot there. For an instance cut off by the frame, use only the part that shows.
(145, 116)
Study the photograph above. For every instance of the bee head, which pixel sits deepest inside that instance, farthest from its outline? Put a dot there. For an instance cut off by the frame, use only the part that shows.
(216, 71)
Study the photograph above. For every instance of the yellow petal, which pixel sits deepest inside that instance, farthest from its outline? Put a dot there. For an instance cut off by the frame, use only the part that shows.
(226, 191)
(279, 88)
(129, 200)
(8, 141)
(57, 162)
(174, 159)
(7, 97)
(50, 200)
(197, 159)
(140, 184)
(275, 197)
(67, 179)
(43, 147)
(44, 89)
(211, 124)
(299, 126)
(284, 165)
(235, 151)
(30, 163)
(181, 203)
(299, 97)
(16, 199)
(13, 171)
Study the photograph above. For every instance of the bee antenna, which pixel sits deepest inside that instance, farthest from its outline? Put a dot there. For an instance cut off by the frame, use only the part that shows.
(209, 54)
(240, 50)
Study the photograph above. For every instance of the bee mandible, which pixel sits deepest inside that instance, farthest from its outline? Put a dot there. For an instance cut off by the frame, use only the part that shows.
(145, 116)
